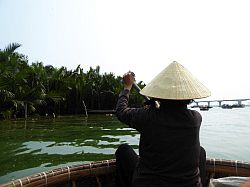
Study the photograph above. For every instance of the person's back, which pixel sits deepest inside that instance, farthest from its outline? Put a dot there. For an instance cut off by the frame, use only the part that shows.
(169, 143)
(169, 146)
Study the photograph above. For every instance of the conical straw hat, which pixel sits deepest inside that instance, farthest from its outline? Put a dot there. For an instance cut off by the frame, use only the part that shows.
(175, 82)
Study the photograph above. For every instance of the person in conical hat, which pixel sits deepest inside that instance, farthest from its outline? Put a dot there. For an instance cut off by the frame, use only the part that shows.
(169, 148)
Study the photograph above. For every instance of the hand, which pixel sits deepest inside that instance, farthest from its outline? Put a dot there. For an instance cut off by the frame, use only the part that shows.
(128, 80)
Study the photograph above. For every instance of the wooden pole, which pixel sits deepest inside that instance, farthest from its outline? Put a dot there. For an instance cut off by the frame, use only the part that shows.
(85, 108)
(26, 111)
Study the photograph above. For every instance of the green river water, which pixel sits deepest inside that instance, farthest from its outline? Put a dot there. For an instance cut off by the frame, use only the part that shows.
(28, 147)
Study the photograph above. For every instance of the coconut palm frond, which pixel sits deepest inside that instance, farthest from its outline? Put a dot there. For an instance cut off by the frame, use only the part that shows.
(54, 96)
(7, 94)
(11, 48)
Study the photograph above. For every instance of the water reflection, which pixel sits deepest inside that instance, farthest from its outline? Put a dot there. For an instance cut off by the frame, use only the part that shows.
(62, 148)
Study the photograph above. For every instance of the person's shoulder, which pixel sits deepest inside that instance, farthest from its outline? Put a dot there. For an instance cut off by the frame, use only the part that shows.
(195, 114)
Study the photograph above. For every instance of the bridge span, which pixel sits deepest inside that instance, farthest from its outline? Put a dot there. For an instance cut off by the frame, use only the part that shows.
(220, 101)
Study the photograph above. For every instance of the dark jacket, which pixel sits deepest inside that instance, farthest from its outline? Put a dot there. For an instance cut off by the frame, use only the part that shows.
(169, 145)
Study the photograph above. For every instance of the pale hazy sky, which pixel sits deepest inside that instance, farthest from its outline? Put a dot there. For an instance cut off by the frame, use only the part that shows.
(210, 38)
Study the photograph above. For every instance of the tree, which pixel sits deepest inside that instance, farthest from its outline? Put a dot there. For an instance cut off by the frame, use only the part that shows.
(18, 87)
(25, 89)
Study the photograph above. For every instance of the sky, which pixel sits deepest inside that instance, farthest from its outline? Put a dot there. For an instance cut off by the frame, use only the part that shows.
(210, 38)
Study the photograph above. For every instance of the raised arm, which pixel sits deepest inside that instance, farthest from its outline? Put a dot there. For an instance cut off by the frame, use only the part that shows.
(134, 117)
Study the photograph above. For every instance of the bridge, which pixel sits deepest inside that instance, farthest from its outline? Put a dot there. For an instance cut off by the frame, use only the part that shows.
(220, 101)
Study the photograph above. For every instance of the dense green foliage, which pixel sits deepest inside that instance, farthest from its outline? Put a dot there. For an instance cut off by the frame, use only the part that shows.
(37, 89)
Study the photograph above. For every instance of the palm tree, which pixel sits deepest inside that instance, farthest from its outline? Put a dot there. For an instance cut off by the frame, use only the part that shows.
(93, 87)
(56, 88)
(8, 67)
(26, 89)
(18, 86)
(77, 83)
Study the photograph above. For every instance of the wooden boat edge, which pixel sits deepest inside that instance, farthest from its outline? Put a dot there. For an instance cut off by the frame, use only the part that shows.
(64, 174)
(99, 168)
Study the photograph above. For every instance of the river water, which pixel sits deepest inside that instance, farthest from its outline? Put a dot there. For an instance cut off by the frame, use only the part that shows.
(28, 147)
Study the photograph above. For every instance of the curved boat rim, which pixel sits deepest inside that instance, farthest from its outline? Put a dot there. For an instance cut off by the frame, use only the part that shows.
(106, 167)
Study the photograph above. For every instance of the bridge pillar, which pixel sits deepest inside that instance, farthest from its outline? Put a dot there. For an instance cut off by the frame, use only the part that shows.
(219, 103)
(197, 104)
(239, 102)
(208, 103)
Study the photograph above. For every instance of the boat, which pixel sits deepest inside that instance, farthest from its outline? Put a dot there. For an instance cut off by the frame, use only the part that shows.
(102, 174)
(101, 111)
(238, 106)
(226, 106)
(205, 107)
